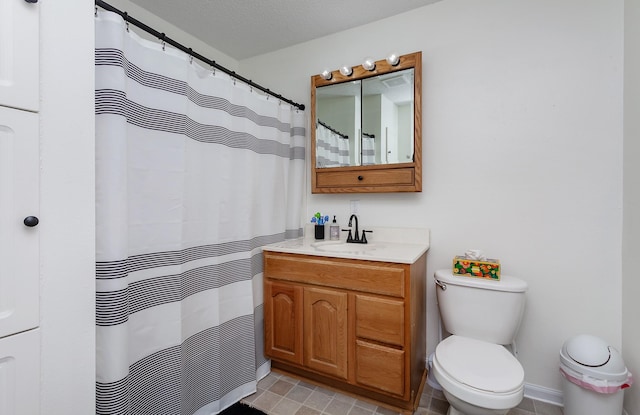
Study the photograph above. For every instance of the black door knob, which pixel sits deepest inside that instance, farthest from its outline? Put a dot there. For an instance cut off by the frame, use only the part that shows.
(31, 221)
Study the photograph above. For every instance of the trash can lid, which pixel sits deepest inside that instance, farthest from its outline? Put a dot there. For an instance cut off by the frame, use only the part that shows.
(592, 356)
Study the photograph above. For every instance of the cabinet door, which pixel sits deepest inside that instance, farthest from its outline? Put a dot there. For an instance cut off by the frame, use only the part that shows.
(19, 56)
(20, 374)
(325, 331)
(19, 246)
(283, 321)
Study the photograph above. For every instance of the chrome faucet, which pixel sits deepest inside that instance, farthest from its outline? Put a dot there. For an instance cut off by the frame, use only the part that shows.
(357, 239)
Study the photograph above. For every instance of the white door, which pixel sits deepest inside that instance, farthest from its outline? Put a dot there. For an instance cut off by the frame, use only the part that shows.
(19, 58)
(20, 374)
(19, 242)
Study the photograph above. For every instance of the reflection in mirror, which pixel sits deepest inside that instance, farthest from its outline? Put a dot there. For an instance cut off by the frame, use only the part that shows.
(337, 109)
(366, 122)
(387, 118)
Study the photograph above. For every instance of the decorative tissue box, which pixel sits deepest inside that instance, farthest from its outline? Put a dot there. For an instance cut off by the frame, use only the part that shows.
(488, 269)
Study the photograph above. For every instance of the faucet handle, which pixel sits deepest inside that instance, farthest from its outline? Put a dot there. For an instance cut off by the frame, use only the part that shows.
(349, 237)
(364, 236)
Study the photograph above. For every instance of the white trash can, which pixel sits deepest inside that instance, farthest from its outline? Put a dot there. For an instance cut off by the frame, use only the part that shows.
(594, 377)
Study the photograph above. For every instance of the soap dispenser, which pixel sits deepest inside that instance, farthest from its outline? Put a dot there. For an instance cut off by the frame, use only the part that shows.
(334, 230)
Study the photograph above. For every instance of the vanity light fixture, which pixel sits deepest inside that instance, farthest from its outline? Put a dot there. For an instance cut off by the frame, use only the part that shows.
(346, 70)
(393, 59)
(369, 64)
(326, 74)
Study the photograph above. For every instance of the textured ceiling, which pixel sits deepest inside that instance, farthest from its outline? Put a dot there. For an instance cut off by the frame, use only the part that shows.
(246, 28)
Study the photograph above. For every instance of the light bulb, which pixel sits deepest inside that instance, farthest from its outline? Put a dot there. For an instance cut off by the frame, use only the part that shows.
(393, 59)
(326, 74)
(346, 70)
(369, 64)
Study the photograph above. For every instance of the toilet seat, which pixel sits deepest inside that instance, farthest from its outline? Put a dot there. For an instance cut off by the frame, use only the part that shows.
(480, 373)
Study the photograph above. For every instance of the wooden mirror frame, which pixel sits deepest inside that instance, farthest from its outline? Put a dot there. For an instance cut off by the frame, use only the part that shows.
(378, 178)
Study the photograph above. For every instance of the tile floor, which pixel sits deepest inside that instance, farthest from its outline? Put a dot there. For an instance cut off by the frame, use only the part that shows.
(279, 394)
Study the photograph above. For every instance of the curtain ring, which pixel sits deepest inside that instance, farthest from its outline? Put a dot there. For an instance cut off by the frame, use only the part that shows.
(162, 37)
(190, 55)
(95, 13)
(126, 20)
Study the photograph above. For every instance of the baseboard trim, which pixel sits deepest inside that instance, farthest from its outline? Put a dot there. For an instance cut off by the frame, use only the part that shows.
(540, 393)
(548, 395)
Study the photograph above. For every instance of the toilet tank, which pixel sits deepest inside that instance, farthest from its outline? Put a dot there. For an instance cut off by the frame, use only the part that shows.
(481, 309)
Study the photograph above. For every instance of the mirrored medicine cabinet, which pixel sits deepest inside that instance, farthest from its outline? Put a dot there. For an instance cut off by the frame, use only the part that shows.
(366, 129)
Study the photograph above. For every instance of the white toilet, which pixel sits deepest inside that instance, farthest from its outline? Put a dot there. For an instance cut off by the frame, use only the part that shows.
(478, 375)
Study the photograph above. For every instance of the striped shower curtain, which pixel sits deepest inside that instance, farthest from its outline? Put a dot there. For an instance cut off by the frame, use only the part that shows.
(332, 150)
(368, 150)
(194, 173)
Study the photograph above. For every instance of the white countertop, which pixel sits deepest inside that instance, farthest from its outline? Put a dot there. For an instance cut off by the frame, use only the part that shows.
(399, 245)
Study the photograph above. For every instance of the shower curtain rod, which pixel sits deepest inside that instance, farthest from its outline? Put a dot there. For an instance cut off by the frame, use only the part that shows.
(165, 39)
(333, 130)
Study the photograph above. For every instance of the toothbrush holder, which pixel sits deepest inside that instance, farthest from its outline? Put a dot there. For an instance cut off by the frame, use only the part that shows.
(319, 231)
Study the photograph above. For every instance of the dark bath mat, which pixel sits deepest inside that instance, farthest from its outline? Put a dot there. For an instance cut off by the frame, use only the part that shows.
(241, 409)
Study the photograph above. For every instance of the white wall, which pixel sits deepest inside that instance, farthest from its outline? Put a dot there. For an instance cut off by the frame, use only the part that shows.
(522, 141)
(67, 205)
(631, 223)
(172, 32)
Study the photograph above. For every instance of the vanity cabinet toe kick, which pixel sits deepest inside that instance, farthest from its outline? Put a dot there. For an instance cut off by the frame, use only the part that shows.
(352, 325)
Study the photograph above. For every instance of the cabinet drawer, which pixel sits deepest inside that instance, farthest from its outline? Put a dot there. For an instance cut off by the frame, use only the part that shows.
(380, 319)
(365, 178)
(20, 374)
(380, 367)
(365, 276)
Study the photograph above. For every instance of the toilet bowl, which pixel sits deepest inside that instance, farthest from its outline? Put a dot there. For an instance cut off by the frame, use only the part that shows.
(477, 377)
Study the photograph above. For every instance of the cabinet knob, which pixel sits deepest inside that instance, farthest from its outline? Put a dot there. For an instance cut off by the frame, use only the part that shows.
(360, 178)
(31, 221)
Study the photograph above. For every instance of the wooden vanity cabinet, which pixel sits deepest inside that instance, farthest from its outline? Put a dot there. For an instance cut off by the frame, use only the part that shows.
(352, 325)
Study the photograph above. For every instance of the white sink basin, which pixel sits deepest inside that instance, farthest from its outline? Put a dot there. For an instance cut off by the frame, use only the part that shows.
(345, 248)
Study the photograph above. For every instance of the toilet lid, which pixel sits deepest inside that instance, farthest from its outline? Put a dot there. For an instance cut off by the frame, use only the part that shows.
(478, 364)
